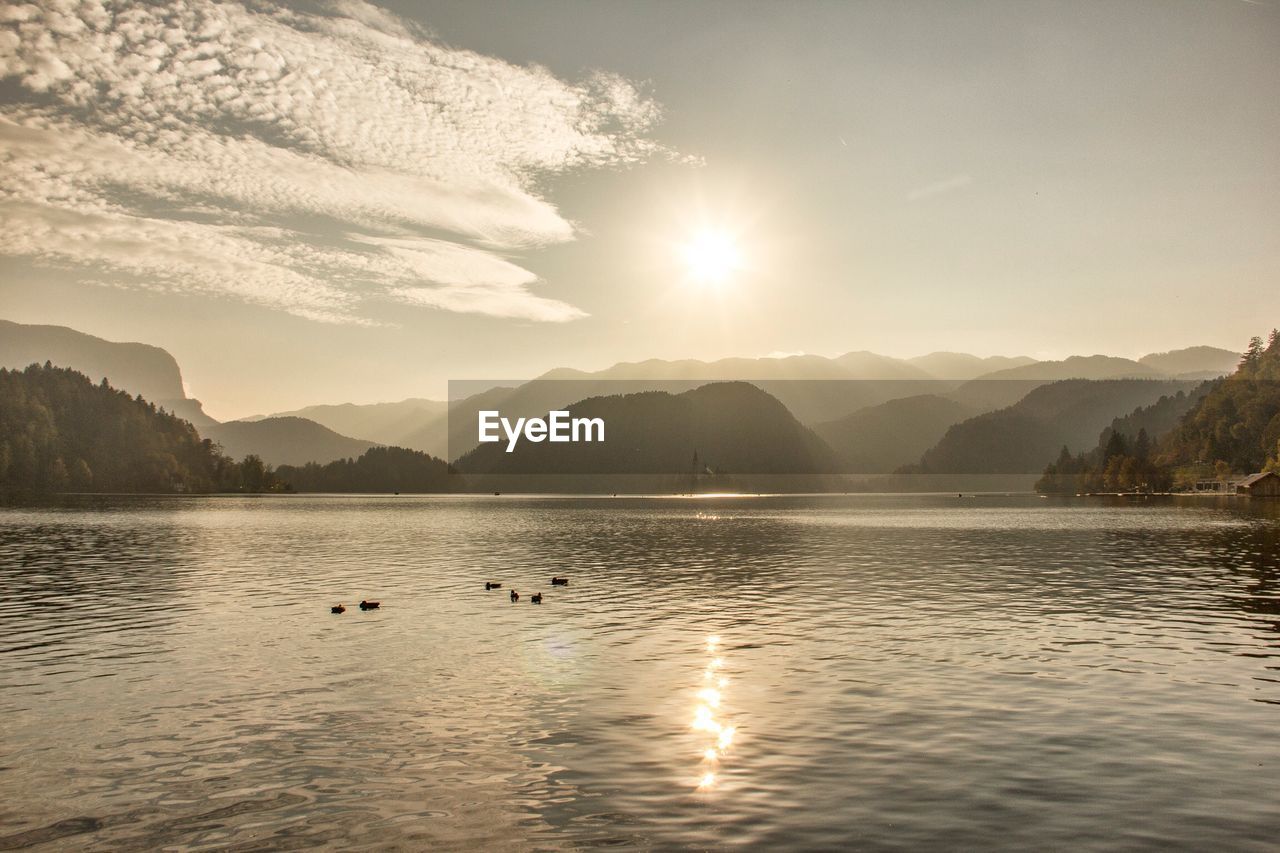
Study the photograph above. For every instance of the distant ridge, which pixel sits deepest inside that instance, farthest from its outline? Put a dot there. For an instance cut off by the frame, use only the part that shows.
(1019, 438)
(961, 365)
(1079, 367)
(285, 441)
(1194, 362)
(133, 367)
(399, 424)
(153, 373)
(879, 439)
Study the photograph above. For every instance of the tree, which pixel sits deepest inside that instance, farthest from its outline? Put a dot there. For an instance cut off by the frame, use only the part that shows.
(254, 473)
(1142, 446)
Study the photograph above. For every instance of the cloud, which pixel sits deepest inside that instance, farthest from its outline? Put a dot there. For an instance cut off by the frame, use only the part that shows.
(951, 184)
(308, 161)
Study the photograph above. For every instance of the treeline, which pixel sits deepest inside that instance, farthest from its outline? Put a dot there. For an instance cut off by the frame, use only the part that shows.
(1120, 465)
(61, 432)
(1224, 427)
(1238, 423)
(379, 469)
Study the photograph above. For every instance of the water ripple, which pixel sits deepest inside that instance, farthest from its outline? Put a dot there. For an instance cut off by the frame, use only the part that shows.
(906, 673)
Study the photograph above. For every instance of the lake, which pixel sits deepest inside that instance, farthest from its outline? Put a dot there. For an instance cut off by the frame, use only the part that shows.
(861, 672)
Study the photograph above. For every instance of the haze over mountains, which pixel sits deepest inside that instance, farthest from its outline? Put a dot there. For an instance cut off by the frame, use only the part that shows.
(393, 424)
(876, 413)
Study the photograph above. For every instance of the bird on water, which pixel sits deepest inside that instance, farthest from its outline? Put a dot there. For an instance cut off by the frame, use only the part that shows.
(537, 598)
(492, 585)
(370, 605)
(337, 608)
(559, 581)
(515, 596)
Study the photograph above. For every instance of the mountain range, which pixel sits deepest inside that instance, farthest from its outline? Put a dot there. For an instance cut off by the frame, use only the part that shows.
(876, 413)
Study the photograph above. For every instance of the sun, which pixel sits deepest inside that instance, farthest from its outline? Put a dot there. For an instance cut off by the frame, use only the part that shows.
(711, 257)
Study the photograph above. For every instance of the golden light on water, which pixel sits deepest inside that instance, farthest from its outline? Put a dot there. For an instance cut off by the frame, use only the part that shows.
(705, 720)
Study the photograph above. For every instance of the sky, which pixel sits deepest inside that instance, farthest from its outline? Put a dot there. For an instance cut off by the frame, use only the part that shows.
(347, 202)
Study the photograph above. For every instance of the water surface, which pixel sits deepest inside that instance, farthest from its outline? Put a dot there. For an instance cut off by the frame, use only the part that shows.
(866, 672)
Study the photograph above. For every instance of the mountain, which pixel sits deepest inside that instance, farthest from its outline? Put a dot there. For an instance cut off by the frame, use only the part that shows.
(1236, 426)
(961, 365)
(869, 365)
(879, 439)
(728, 369)
(1193, 362)
(61, 431)
(814, 388)
(285, 441)
(142, 369)
(1122, 458)
(732, 427)
(1078, 367)
(394, 424)
(136, 368)
(1019, 438)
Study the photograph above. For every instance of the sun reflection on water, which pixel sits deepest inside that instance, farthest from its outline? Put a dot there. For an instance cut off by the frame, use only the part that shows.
(710, 698)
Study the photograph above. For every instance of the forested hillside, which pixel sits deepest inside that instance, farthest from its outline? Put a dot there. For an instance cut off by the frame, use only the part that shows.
(1019, 438)
(1238, 422)
(60, 431)
(1221, 428)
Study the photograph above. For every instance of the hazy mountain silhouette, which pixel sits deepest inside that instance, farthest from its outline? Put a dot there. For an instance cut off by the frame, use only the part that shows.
(847, 396)
(153, 373)
(879, 439)
(1019, 438)
(136, 368)
(813, 387)
(1079, 367)
(733, 427)
(397, 424)
(1188, 363)
(961, 365)
(285, 441)
(1194, 362)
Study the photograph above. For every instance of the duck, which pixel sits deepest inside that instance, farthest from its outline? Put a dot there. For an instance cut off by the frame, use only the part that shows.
(537, 598)
(492, 585)
(370, 605)
(337, 608)
(559, 581)
(515, 596)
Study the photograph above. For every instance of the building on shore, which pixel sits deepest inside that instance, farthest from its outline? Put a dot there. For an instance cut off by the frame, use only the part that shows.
(1265, 484)
(1218, 485)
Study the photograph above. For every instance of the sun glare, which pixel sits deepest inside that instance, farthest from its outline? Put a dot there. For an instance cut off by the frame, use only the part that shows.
(712, 256)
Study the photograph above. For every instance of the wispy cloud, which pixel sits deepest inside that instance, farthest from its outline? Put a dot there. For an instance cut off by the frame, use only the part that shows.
(305, 161)
(951, 184)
